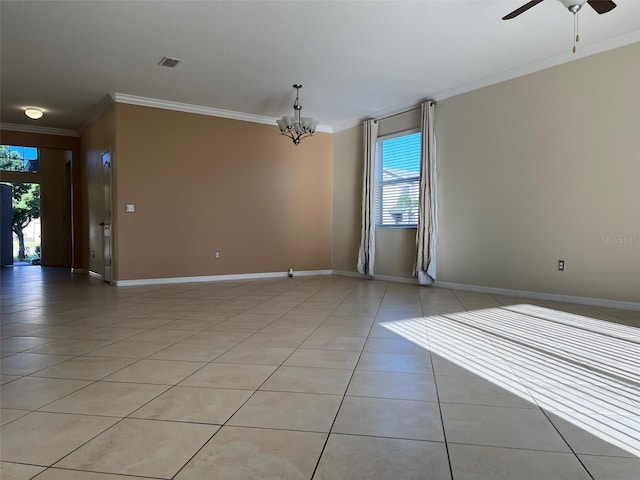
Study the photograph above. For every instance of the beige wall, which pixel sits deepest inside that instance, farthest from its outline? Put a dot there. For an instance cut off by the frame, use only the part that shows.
(395, 252)
(542, 168)
(395, 255)
(60, 192)
(201, 184)
(55, 205)
(530, 171)
(347, 198)
(96, 139)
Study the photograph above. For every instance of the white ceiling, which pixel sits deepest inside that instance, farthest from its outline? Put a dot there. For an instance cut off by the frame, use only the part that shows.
(355, 59)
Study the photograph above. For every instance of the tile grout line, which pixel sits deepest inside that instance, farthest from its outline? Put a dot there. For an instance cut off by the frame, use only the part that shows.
(324, 446)
(435, 382)
(225, 423)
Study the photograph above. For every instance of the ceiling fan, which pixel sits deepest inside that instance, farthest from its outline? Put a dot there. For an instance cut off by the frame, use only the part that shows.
(600, 6)
(574, 6)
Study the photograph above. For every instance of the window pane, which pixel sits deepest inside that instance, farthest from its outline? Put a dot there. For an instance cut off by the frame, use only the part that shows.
(18, 159)
(401, 155)
(398, 178)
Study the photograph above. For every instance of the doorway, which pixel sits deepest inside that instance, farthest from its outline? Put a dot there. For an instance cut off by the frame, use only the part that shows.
(21, 228)
(36, 206)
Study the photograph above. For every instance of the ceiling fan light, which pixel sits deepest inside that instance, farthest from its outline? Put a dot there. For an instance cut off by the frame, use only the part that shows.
(573, 3)
(33, 112)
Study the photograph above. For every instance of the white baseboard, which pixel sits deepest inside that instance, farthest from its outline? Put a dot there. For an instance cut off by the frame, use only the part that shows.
(95, 274)
(554, 297)
(218, 278)
(596, 302)
(78, 270)
(344, 273)
(384, 278)
(390, 278)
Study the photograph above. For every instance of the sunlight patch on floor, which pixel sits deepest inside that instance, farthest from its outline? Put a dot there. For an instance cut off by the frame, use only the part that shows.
(584, 370)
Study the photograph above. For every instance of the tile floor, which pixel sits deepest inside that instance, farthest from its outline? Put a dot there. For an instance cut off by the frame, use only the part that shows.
(311, 378)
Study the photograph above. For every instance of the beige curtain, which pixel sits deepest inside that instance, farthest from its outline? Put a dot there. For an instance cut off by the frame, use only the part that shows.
(366, 253)
(427, 233)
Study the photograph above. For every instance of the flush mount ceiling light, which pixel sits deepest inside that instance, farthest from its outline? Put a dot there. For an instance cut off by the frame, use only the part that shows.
(295, 126)
(34, 112)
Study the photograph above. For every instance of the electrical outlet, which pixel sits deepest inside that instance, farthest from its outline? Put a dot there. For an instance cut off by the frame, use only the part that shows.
(216, 255)
(561, 265)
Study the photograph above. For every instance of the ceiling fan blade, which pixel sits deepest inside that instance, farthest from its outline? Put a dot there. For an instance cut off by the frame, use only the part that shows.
(522, 9)
(602, 6)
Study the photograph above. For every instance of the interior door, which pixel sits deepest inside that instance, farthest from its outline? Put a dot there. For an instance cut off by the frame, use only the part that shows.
(106, 217)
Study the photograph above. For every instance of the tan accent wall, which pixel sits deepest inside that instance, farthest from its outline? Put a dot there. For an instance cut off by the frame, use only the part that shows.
(395, 255)
(347, 198)
(60, 183)
(542, 168)
(530, 171)
(201, 184)
(55, 191)
(96, 139)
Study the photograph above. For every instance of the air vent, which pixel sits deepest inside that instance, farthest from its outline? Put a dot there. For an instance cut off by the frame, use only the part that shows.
(169, 62)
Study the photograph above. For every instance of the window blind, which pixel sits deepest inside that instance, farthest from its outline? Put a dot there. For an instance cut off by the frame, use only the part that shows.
(398, 180)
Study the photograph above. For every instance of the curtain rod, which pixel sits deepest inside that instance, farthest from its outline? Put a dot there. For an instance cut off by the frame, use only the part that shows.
(433, 102)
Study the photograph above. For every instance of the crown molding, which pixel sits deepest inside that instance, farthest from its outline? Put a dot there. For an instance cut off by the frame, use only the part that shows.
(102, 107)
(379, 115)
(553, 61)
(16, 127)
(200, 110)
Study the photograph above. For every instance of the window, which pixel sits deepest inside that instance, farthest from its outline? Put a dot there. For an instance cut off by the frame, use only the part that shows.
(18, 159)
(398, 180)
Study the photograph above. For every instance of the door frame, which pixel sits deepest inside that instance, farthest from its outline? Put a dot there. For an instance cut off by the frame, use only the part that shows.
(106, 162)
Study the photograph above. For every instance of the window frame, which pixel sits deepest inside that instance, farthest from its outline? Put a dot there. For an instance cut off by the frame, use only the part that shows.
(379, 183)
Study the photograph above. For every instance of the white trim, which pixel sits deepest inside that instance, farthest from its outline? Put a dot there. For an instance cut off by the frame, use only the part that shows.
(95, 275)
(344, 273)
(595, 302)
(78, 270)
(379, 115)
(553, 61)
(555, 297)
(200, 110)
(218, 278)
(16, 127)
(401, 133)
(382, 278)
(390, 278)
(567, 57)
(102, 107)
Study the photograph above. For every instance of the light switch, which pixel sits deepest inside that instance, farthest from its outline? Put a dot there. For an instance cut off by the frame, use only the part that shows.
(130, 208)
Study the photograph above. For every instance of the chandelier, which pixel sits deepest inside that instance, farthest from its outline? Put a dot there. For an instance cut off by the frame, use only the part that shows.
(295, 126)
